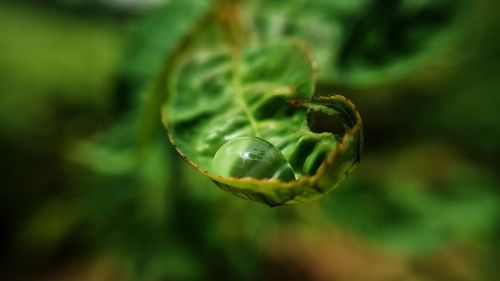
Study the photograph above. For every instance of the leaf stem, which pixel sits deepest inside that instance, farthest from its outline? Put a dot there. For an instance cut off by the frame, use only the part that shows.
(238, 93)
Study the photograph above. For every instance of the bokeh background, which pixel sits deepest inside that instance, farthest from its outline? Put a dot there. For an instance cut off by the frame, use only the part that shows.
(90, 193)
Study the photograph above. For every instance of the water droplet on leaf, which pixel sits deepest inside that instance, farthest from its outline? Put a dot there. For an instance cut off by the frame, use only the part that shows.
(251, 157)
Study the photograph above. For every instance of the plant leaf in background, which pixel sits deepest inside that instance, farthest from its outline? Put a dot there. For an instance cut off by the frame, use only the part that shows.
(358, 42)
(155, 37)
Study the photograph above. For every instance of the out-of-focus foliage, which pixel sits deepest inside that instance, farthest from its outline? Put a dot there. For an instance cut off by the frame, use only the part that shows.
(358, 42)
(92, 190)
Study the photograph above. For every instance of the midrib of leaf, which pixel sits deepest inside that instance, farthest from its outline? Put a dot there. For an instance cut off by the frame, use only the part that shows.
(239, 93)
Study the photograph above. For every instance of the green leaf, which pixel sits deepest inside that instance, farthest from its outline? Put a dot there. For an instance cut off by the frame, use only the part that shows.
(221, 91)
(359, 42)
(157, 35)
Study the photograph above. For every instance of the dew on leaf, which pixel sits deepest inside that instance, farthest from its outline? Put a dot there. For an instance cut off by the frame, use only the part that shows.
(251, 157)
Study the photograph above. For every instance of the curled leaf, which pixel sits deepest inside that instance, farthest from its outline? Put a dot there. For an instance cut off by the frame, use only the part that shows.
(221, 92)
(209, 108)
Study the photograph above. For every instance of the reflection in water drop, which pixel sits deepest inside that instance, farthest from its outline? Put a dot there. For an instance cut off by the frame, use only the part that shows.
(251, 157)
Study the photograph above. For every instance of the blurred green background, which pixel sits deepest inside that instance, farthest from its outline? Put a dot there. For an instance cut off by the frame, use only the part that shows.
(91, 193)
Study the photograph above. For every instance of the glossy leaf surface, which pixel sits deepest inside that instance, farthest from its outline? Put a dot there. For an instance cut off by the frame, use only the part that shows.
(220, 91)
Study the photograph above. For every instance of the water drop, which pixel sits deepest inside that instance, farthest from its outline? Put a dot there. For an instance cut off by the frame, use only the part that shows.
(251, 157)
